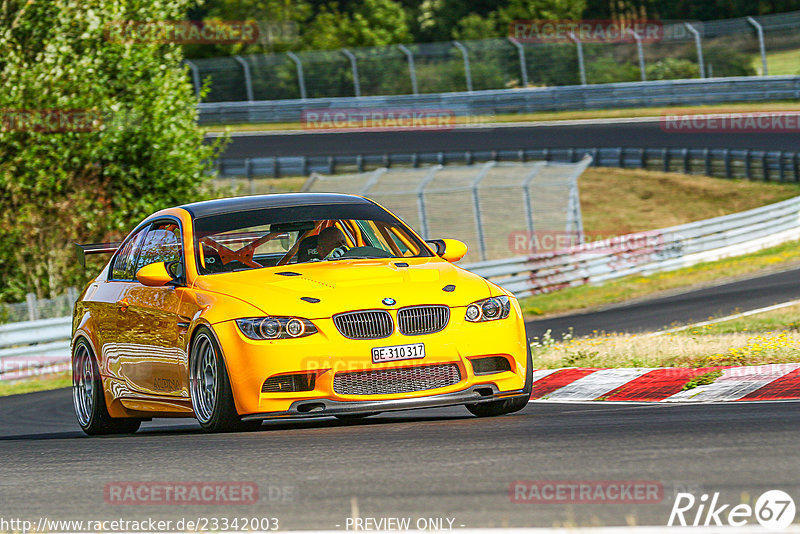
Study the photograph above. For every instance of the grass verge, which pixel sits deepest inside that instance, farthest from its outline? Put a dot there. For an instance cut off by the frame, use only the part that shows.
(546, 116)
(771, 337)
(57, 381)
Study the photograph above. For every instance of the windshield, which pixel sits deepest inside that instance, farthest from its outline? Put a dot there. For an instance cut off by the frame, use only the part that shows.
(288, 236)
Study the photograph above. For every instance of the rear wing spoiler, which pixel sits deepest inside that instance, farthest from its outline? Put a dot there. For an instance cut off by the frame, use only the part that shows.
(94, 248)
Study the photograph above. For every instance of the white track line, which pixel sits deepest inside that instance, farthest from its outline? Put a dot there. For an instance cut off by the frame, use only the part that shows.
(727, 318)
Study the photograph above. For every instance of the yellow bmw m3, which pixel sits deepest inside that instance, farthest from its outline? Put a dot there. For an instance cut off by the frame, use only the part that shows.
(299, 305)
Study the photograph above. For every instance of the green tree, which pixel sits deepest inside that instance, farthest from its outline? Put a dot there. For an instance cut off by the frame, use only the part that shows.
(371, 23)
(121, 140)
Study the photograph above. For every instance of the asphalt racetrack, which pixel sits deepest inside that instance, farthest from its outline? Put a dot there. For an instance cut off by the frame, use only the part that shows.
(436, 463)
(641, 133)
(682, 308)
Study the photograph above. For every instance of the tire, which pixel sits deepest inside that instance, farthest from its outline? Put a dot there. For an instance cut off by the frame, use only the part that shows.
(507, 406)
(88, 398)
(210, 388)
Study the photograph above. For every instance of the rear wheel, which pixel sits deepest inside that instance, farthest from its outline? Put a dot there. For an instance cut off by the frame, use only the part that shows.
(88, 397)
(212, 397)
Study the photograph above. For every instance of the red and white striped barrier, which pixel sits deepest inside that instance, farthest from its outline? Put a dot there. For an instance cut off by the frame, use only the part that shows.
(759, 382)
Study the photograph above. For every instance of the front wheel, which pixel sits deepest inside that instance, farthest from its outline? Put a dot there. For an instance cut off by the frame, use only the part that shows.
(506, 406)
(212, 397)
(88, 398)
(499, 407)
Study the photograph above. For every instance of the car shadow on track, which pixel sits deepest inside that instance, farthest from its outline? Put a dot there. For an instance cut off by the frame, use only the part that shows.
(164, 428)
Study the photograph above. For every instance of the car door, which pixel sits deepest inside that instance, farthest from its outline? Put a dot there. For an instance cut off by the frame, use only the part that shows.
(107, 305)
(152, 360)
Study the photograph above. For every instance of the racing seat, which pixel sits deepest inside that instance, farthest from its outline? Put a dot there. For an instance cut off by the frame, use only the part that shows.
(212, 261)
(307, 250)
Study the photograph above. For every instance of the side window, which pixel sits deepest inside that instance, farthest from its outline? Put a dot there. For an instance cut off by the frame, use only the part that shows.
(162, 243)
(122, 269)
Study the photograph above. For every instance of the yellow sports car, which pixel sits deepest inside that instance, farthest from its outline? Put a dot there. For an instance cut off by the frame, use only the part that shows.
(237, 310)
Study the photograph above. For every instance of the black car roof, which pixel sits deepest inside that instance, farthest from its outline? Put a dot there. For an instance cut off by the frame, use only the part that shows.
(256, 202)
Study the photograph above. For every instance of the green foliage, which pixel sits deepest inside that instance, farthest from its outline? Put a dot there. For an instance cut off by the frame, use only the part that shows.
(672, 68)
(723, 62)
(142, 150)
(371, 23)
(608, 70)
(702, 380)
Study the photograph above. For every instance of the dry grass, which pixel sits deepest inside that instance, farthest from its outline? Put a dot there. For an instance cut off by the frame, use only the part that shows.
(622, 201)
(771, 337)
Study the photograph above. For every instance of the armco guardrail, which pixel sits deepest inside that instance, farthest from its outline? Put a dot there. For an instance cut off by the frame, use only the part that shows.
(34, 348)
(647, 252)
(512, 101)
(766, 165)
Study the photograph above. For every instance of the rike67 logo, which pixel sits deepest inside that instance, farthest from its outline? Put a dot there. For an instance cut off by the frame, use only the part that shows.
(773, 510)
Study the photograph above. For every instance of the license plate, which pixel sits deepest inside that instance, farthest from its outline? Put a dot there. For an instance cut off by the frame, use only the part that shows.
(415, 351)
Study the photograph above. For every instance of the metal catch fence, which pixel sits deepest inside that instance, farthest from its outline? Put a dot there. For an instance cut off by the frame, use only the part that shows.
(480, 205)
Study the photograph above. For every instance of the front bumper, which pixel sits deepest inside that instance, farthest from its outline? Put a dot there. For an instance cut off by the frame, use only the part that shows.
(327, 407)
(327, 353)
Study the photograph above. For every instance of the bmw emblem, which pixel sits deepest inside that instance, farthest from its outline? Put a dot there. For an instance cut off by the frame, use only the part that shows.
(389, 301)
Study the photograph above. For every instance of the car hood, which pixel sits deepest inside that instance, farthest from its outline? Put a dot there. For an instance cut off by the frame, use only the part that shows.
(348, 285)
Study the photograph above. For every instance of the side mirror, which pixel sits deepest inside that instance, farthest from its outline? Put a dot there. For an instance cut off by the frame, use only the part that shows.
(449, 249)
(154, 275)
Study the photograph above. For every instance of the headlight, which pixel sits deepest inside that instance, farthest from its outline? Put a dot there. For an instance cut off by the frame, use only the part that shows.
(490, 309)
(276, 327)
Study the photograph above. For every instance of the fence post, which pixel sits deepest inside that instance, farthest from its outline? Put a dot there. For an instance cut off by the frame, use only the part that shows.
(467, 72)
(33, 310)
(781, 176)
(760, 31)
(581, 66)
(412, 71)
(526, 194)
(640, 52)
(423, 217)
(301, 80)
(248, 172)
(726, 157)
(707, 161)
(686, 166)
(764, 166)
(195, 77)
(574, 208)
(248, 81)
(476, 206)
(354, 68)
(747, 170)
(665, 159)
(699, 46)
(796, 167)
(523, 69)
